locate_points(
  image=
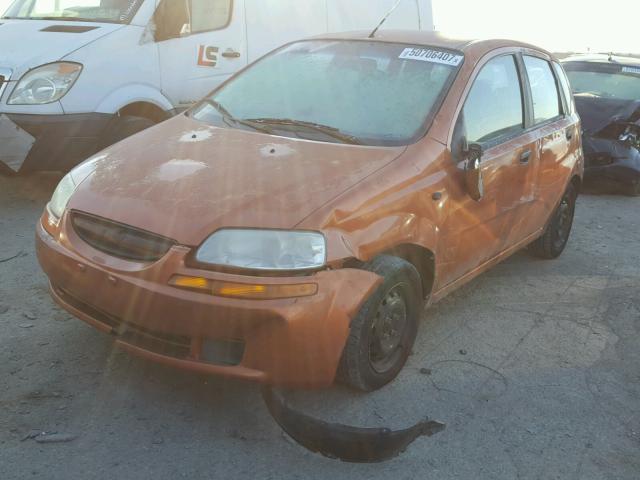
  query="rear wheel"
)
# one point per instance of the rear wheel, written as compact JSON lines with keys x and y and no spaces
{"x":383,"y":332}
{"x":554,"y":240}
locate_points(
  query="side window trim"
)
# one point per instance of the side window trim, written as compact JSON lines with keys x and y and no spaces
{"x":527,"y":96}
{"x":509,"y":136}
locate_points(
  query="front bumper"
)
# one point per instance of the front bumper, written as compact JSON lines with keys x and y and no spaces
{"x":50,"y":142}
{"x":291,"y":342}
{"x":612,"y":161}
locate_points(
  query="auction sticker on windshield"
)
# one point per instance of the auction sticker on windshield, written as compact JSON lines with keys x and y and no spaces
{"x":433,"y":56}
{"x":635,"y":70}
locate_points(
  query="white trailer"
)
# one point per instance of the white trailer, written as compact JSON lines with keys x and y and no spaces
{"x":79,"y":75}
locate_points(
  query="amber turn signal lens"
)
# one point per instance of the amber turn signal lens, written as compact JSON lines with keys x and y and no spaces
{"x":244,"y":290}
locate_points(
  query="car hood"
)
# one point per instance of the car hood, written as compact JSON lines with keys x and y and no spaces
{"x":32,"y":47}
{"x":597,"y":113}
{"x":184,"y":179}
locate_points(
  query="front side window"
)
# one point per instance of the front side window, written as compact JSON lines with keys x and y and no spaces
{"x":544,"y":91}
{"x":604,"y":80}
{"x":109,"y":11}
{"x":371,"y":93}
{"x":209,"y":15}
{"x":494,"y":107}
{"x":176,"y":18}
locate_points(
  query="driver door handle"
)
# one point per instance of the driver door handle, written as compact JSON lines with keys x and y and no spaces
{"x":231,"y":53}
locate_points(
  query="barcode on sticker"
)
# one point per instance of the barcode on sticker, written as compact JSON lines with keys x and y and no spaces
{"x":433,"y":56}
{"x":635,"y":70}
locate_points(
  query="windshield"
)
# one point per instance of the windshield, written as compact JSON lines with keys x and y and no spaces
{"x":109,"y":11}
{"x":605,"y":80}
{"x":337,"y":91}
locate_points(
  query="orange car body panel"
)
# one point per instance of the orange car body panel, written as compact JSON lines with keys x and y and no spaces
{"x":185,"y":180}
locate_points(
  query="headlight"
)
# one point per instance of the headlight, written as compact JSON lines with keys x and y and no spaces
{"x":66,"y":187}
{"x":46,"y":84}
{"x":264,"y":249}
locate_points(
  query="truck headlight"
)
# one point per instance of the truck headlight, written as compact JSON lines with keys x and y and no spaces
{"x":63,"y":192}
{"x":264,"y":249}
{"x":45,"y":84}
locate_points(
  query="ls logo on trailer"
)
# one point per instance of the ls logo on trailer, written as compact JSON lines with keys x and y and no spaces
{"x":208,"y":56}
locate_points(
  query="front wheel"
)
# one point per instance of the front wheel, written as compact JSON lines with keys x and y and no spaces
{"x":124,"y":127}
{"x":554,"y":240}
{"x":383,"y":332}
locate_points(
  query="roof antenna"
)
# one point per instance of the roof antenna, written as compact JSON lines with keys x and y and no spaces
{"x":375,"y":30}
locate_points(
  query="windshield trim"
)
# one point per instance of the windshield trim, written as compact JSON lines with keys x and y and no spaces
{"x":421,"y":132}
{"x":133,"y":12}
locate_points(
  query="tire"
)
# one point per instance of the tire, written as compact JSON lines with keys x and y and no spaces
{"x":376,"y":352}
{"x":554,"y":240}
{"x":124,"y":127}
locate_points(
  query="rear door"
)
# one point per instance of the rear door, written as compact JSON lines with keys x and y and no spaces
{"x":494,"y":116}
{"x":201,"y":43}
{"x":556,"y":129}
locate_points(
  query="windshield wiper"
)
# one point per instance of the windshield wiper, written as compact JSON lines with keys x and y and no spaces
{"x":327,"y":130}
{"x":228,"y":118}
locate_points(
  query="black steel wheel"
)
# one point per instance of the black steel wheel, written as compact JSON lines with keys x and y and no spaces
{"x":383,"y":332}
{"x":554,"y":240}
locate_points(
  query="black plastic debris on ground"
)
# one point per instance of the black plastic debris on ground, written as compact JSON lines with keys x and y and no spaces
{"x":350,"y":444}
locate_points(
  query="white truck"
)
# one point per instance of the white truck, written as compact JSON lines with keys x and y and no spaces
{"x":79,"y":75}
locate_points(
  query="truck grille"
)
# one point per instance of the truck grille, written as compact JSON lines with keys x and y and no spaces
{"x":119,"y":240}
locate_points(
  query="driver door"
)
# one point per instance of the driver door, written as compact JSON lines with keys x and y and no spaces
{"x":201,"y":43}
{"x":493,"y":118}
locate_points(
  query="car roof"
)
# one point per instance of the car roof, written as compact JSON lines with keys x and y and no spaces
{"x":603,"y":58}
{"x":477,"y":47}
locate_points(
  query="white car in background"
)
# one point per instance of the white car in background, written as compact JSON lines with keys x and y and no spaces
{"x":83,"y":74}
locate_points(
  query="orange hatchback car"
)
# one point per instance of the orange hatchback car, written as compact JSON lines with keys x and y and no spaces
{"x":290,"y":228}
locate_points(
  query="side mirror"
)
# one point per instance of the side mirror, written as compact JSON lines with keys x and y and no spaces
{"x":474,"y":181}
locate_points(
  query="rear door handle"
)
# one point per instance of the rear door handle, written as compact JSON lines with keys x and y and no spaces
{"x":525,"y":157}
{"x":569,"y":135}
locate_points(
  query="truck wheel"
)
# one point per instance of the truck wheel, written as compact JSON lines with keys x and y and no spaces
{"x":385,"y":328}
{"x":554,"y":240}
{"x":124,"y":127}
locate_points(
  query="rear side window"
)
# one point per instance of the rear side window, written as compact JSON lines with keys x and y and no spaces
{"x":566,"y":89}
{"x":494,"y":107}
{"x":544,"y":91}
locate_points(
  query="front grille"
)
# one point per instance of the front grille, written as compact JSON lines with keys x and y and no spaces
{"x":120,"y":240}
{"x":225,"y":353}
